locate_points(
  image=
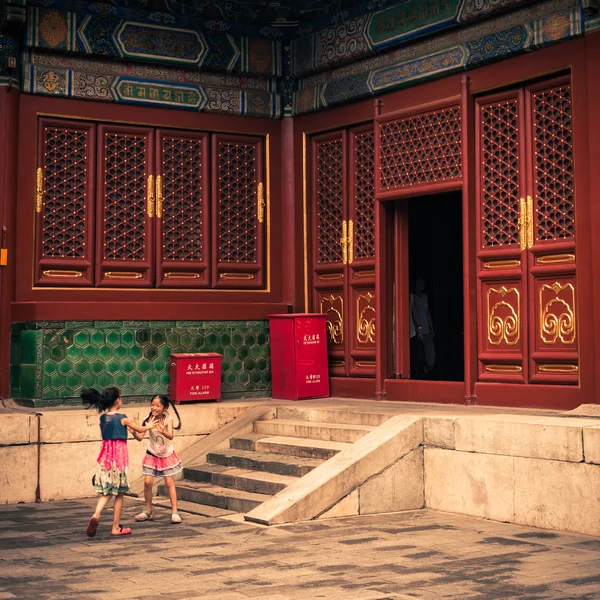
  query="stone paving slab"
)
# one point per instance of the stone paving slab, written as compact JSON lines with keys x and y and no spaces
{"x":428,"y":555}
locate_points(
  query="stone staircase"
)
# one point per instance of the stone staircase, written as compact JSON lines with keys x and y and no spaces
{"x":259,"y":464}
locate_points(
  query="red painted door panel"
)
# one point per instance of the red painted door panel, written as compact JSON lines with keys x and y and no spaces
{"x":125,"y":206}
{"x":182,"y":210}
{"x":329,"y":195}
{"x":64,"y":203}
{"x":526,"y":252}
{"x":239,"y":210}
{"x":343,"y":246}
{"x":361,"y":252}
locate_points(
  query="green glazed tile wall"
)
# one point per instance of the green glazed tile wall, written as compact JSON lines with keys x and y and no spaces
{"x":52,"y":361}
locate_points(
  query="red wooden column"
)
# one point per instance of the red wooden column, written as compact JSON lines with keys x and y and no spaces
{"x":589,"y":81}
{"x":9,"y":117}
{"x":469,"y":242}
{"x":383,"y":347}
{"x":291,"y":253}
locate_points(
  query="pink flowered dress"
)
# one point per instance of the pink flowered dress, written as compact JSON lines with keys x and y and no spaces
{"x":113,"y":460}
{"x":161,"y":459}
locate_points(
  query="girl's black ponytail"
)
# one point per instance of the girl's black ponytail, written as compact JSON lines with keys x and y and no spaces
{"x":101,"y":401}
{"x":178,"y":417}
{"x":92,"y":397}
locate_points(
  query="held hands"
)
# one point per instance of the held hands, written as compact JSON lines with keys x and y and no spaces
{"x":150,"y":425}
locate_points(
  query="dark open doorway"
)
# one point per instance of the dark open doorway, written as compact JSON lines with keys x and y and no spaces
{"x":435,"y":255}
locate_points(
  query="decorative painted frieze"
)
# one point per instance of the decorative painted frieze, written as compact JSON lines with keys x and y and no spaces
{"x":71,"y":83}
{"x":104,"y":67}
{"x":369,"y":34}
{"x":158,"y":43}
{"x":482,"y":43}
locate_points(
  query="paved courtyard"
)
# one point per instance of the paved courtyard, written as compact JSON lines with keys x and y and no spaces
{"x":44,"y":554}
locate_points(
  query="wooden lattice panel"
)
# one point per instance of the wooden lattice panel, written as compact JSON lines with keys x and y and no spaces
{"x":330,"y":199}
{"x":553,"y":148}
{"x":499,"y":159}
{"x":420,"y":149}
{"x":125,"y":161}
{"x":364,"y":194}
{"x":183,"y":199}
{"x":64,"y":215}
{"x":237,"y":188}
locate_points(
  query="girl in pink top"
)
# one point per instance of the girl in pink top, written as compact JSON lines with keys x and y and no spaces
{"x":161,"y":459}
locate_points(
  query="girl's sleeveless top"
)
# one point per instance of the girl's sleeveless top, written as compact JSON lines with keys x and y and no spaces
{"x":158,"y":444}
{"x":111,"y":428}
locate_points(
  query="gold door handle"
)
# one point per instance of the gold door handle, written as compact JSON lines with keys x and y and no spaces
{"x":530,"y":223}
{"x":39,"y":190}
{"x":260,"y":209}
{"x":344,"y":242}
{"x":159,"y":197}
{"x":350,"y":242}
{"x":150,"y":193}
{"x":522,"y":224}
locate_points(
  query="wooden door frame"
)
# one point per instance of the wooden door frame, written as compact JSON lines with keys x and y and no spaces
{"x":568,"y":57}
{"x":387,"y":228}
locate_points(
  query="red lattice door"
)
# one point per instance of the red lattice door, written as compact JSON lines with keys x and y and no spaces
{"x":527,"y":300}
{"x":125,"y":206}
{"x":64,"y":203}
{"x":329,"y":248}
{"x":343,"y":247}
{"x":239,"y":211}
{"x":182,"y":210}
{"x":361,"y":251}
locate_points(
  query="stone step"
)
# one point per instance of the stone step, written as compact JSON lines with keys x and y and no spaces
{"x":294,"y":466}
{"x":189,"y":507}
{"x":332,"y":432}
{"x":331,"y":415}
{"x":258,"y":482}
{"x":247,"y":441}
{"x":214,"y":495}
{"x":289,"y":446}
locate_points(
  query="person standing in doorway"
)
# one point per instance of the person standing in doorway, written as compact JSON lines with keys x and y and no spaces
{"x":422,"y":325}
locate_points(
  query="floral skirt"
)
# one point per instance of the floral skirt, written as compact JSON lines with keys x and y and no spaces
{"x":156,"y":466}
{"x":110,"y":478}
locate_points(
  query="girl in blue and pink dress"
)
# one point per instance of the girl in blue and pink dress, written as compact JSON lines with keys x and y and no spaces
{"x":111,"y":474}
{"x":161,"y":459}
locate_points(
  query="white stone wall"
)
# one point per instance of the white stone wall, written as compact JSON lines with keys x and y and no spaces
{"x":70,"y":443}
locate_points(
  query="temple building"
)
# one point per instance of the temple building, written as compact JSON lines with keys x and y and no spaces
{"x":174,"y":171}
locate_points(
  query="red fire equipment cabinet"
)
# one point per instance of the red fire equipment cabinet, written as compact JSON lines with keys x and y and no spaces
{"x":299,"y":356}
{"x":195,"y":377}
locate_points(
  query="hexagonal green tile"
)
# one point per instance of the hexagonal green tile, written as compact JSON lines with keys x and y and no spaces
{"x":150,"y":351}
{"x":112,"y":338}
{"x":112,"y":366}
{"x":97,"y":338}
{"x":89,"y":352}
{"x":135,"y":352}
{"x":81,"y":338}
{"x":143,"y":365}
{"x":120,"y":352}
{"x":127,"y":366}
{"x":158,"y":337}
{"x":104,"y":352}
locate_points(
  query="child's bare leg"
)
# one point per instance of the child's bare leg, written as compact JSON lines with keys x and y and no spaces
{"x":117,"y":513}
{"x":100,"y":506}
{"x":148,"y":483}
{"x":172,"y":493}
